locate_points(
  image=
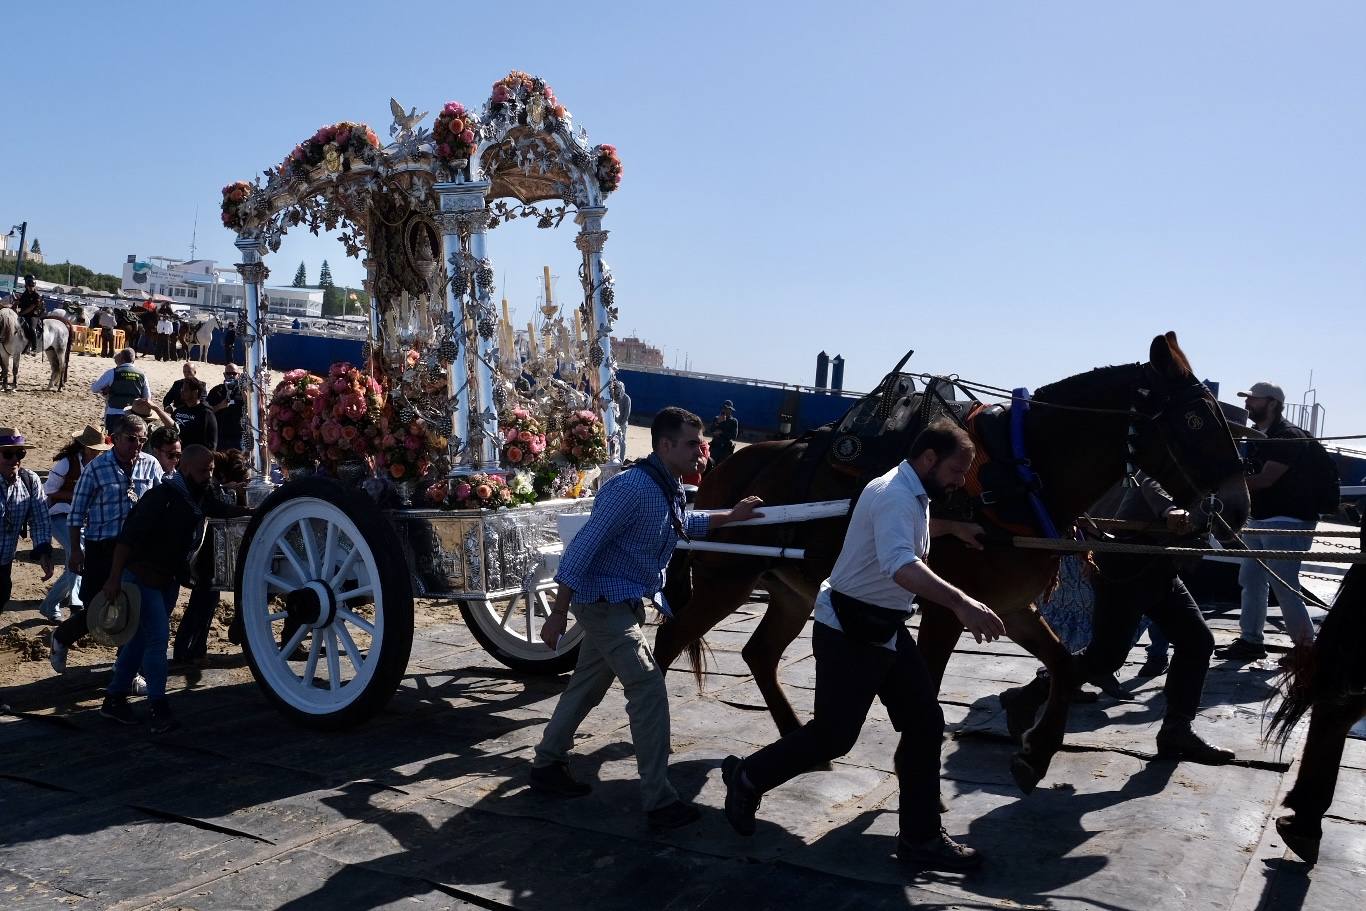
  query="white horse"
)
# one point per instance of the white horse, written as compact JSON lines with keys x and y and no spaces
{"x":57,"y":347}
{"x":201,"y":339}
{"x":12,"y":343}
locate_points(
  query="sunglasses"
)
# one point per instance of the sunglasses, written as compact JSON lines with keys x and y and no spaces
{"x":14,"y":455}
{"x":141,"y":441}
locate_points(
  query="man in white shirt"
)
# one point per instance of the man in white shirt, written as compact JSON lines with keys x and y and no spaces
{"x":165,"y":329}
{"x":863,"y":650}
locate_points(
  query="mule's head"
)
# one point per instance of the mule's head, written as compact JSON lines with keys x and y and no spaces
{"x":1180,"y":437}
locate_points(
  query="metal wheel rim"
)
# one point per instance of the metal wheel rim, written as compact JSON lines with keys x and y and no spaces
{"x":334,"y":557}
{"x":518,"y":632}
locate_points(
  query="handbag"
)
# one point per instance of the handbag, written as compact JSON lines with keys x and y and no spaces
{"x":866,"y":622}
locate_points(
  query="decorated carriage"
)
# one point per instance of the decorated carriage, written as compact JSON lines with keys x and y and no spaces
{"x":437,"y":467}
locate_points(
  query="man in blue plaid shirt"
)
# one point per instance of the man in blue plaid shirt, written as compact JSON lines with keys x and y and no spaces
{"x":610,"y":571}
{"x":22,"y":506}
{"x":104,"y":495}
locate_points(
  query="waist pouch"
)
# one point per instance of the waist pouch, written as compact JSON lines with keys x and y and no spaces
{"x":866,"y":622}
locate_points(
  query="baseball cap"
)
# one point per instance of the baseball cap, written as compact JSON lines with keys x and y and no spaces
{"x":1265,"y":391}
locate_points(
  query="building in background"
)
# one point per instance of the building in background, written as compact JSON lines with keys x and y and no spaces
{"x":631,"y":350}
{"x":203,"y":284}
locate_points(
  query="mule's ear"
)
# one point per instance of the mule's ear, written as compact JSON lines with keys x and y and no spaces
{"x":1167,"y":357}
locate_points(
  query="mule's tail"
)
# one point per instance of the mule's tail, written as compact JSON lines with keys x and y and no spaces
{"x":678,"y":592}
{"x":1333,"y":668}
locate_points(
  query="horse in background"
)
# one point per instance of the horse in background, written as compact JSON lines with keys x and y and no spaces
{"x":56,"y":344}
{"x":199,"y":335}
{"x":1078,"y":434}
{"x":12,"y":344}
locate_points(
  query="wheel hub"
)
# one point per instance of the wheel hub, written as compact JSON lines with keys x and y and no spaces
{"x":314,"y":604}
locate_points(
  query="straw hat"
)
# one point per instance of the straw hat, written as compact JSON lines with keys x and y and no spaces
{"x":13,"y":439}
{"x":91,"y":438}
{"x":114,"y":622}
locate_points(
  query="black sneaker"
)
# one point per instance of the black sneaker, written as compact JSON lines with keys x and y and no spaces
{"x":555,"y":780}
{"x":1155,"y":666}
{"x":673,"y":816}
{"x":1240,"y":650}
{"x":162,"y":721}
{"x":938,"y":852}
{"x":116,"y":708}
{"x":1178,"y":741}
{"x":1299,"y":837}
{"x":741,"y":802}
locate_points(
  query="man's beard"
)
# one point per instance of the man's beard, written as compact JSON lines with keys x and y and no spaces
{"x":933,"y":486}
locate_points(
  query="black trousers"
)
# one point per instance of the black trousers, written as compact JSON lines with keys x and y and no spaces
{"x":99,"y":559}
{"x":6,"y":583}
{"x":192,"y":635}
{"x":849,"y":675}
{"x":1129,"y":586}
{"x":106,"y":342}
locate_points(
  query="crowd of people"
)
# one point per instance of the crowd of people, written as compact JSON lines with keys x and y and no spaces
{"x":129,"y":506}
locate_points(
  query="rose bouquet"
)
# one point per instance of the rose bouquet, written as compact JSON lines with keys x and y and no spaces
{"x":455,"y":132}
{"x":334,"y":147}
{"x":529,"y":96}
{"x":405,"y":449}
{"x":583,"y":442}
{"x":289,"y":420}
{"x":607,"y":164}
{"x":480,"y":491}
{"x":523,"y":438}
{"x":346,"y":419}
{"x":234,"y":194}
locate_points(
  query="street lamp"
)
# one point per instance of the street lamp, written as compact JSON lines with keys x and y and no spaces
{"x":22,"y":228}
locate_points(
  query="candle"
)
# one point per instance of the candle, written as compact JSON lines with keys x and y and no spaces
{"x":531,"y":339}
{"x":578,"y":326}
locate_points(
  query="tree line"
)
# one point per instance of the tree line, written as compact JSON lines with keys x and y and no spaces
{"x":64,"y":274}
{"x":337,"y":301}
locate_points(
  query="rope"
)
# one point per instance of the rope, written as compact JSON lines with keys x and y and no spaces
{"x":1158,"y":528}
{"x":1122,"y":547}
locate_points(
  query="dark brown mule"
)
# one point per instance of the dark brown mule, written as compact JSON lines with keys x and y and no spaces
{"x":1075,"y":433}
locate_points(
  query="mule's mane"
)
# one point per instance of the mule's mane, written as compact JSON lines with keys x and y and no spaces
{"x":1086,"y":387}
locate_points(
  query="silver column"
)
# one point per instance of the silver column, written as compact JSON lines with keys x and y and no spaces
{"x":254,"y":273}
{"x":600,"y":304}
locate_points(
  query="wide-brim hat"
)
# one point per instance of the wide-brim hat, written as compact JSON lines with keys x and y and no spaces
{"x":1234,"y":417}
{"x":113,"y":622}
{"x":13,"y":439}
{"x":91,"y":438}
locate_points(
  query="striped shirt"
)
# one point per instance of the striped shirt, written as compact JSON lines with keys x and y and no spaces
{"x":623,"y":549}
{"x":106,"y":492}
{"x":23,"y":505}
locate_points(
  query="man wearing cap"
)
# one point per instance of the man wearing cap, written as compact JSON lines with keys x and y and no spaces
{"x":156,"y":546}
{"x":121,"y":385}
{"x":66,"y":469}
{"x":724,"y":431}
{"x":105,"y":494}
{"x":1281,"y":500}
{"x":226,"y":400}
{"x":23,"y":511}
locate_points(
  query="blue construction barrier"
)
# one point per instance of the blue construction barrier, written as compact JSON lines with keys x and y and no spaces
{"x":759,"y":406}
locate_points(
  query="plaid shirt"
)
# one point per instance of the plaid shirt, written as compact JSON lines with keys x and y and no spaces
{"x":623,"y":549}
{"x":105,"y":494}
{"x":23,"y":505}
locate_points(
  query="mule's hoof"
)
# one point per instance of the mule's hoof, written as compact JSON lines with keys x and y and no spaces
{"x":1025,"y":775}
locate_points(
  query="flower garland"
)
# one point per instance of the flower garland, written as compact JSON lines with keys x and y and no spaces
{"x":535,"y":94}
{"x":346,"y":419}
{"x":583,"y":442}
{"x":607,"y":164}
{"x":289,"y":419}
{"x":480,"y":491}
{"x":455,"y":133}
{"x":234,"y":194}
{"x":523,"y":439}
{"x":333,"y":147}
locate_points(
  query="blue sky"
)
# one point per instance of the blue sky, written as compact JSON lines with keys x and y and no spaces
{"x":1019,"y":191}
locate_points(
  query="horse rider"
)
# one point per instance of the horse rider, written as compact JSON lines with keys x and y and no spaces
{"x":121,"y":385}
{"x":30,"y":308}
{"x":725,"y":428}
{"x":106,"y":492}
{"x":159,"y":540}
{"x":23,"y":510}
{"x":1127,"y":587}
{"x":611,"y":569}
{"x":863,"y":650}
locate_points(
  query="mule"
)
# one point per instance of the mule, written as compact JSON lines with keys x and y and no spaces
{"x":12,"y":344}
{"x":56,"y":344}
{"x":1081,"y":433}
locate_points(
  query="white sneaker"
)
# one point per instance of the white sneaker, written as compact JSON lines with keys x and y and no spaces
{"x":58,"y":656}
{"x":139,"y":686}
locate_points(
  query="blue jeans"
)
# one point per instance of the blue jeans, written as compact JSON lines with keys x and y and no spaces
{"x":65,"y":590}
{"x":147,"y":648}
{"x":1256,"y":582}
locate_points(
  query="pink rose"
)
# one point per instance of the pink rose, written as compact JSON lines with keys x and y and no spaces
{"x":462,"y":491}
{"x":538,"y":445}
{"x":331,"y":431}
{"x":576,"y":452}
{"x":582,"y":432}
{"x":483,"y":491}
{"x":467,"y":137}
{"x":443,"y":150}
{"x":524,"y":436}
{"x":505,"y":495}
{"x":511,"y":435}
{"x":514,"y":454}
{"x":348,"y":432}
{"x":520,"y":413}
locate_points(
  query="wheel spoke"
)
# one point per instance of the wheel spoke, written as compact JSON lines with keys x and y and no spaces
{"x":289,"y":553}
{"x":329,"y":550}
{"x":544,"y":603}
{"x":333,"y":665}
{"x":277,"y":616}
{"x":356,"y":621}
{"x":305,"y":526}
{"x":359,"y":592}
{"x":349,"y":645}
{"x":530,"y":611}
{"x":507,"y":614}
{"x":311,"y":666}
{"x":347,"y":562}
{"x":280,"y":584}
{"x":293,"y":642}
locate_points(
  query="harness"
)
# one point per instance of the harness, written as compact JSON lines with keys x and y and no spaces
{"x":1001,"y":483}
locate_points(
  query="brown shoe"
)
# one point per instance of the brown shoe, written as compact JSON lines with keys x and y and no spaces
{"x":938,"y":852}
